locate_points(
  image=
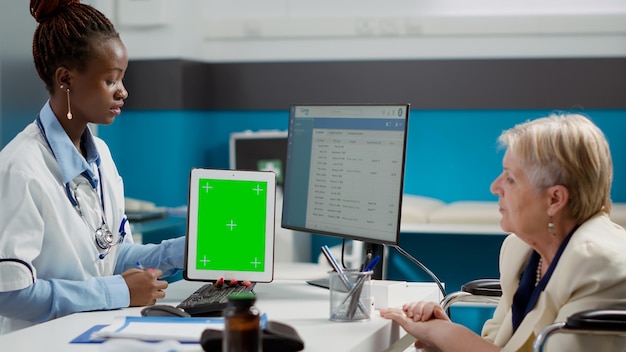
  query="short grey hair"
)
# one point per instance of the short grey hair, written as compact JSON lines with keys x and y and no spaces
{"x":568,"y":150}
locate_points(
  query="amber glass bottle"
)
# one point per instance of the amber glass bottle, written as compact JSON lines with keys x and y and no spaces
{"x":242,"y":324}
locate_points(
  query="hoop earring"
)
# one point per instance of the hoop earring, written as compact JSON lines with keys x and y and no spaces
{"x":69,"y":109}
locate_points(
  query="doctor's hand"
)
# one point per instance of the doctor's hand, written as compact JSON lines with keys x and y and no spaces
{"x":221,"y":282}
{"x":144,"y":286}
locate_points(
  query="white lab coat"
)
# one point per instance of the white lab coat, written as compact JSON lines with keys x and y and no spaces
{"x":41,"y":234}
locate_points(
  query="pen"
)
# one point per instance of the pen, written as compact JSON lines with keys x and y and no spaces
{"x":361,"y":278}
{"x":333,"y":262}
{"x":139,"y":266}
{"x":355,"y":293}
{"x":370,"y":266}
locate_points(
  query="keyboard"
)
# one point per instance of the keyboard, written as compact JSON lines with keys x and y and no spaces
{"x":323,"y":282}
{"x":210,"y":300}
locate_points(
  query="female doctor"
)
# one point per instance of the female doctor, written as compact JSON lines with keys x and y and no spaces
{"x":65,"y":245}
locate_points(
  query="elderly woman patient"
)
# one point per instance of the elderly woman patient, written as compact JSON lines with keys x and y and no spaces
{"x":564,"y":254}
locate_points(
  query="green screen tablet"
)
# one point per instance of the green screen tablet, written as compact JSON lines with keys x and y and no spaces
{"x":230,"y":225}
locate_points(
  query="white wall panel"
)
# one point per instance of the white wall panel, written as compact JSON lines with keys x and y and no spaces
{"x":280,"y":30}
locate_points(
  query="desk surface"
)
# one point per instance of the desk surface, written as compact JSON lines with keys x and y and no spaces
{"x":294,"y":302}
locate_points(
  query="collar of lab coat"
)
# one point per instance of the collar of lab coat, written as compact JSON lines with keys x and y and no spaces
{"x":71,"y":162}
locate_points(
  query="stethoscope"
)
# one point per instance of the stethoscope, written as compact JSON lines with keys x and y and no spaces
{"x":104,"y":238}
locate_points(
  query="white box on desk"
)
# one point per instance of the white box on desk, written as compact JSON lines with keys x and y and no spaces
{"x":387,"y":293}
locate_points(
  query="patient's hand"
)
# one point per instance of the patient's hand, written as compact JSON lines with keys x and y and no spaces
{"x":424,"y":311}
{"x":433,"y":330}
{"x":422,"y":330}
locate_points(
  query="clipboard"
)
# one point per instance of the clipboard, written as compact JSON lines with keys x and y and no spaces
{"x":184,"y":330}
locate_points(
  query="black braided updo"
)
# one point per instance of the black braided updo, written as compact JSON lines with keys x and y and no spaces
{"x":65,"y":35}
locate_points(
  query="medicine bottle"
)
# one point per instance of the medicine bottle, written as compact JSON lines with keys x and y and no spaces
{"x":242,"y":324}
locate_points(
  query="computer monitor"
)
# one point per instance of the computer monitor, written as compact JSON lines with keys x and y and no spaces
{"x":345,"y":170}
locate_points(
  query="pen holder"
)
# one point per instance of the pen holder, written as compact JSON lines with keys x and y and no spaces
{"x":350,"y":295}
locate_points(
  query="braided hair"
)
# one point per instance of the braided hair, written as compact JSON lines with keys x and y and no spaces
{"x":65,"y":35}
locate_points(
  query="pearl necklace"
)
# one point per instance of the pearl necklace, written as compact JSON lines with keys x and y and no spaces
{"x":538,"y":277}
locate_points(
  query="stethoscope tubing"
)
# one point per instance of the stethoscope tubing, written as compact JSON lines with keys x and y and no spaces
{"x":76,"y":205}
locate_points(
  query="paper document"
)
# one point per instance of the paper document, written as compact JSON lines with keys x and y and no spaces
{"x":161,"y":328}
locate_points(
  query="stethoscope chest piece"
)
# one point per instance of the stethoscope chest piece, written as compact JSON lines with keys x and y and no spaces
{"x":104,"y":237}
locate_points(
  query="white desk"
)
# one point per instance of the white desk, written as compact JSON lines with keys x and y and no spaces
{"x":294,"y":302}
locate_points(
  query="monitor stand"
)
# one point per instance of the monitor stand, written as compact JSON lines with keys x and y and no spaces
{"x":372,"y":250}
{"x":322,"y":282}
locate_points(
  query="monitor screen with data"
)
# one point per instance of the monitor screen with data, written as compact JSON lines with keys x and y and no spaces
{"x":345,"y":170}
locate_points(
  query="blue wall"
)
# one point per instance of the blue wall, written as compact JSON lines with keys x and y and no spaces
{"x":155,"y":151}
{"x":451,"y":155}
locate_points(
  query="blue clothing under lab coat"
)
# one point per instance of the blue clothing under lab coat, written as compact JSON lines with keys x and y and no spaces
{"x":49,"y":262}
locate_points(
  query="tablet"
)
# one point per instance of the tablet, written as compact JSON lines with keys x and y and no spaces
{"x":230,"y":225}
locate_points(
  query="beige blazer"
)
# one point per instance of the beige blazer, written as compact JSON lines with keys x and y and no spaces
{"x":590,"y":274}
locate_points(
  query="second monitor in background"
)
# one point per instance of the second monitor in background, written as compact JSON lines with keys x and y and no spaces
{"x":345,"y":171}
{"x":259,"y":150}
{"x":266,"y":150}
